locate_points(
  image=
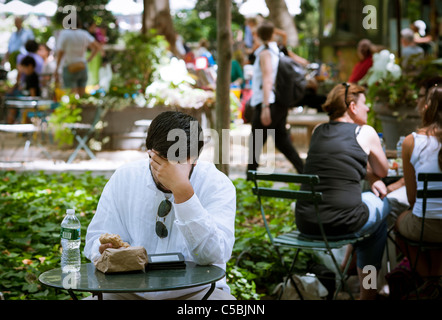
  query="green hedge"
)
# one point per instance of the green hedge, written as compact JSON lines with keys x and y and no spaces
{"x":32,"y":206}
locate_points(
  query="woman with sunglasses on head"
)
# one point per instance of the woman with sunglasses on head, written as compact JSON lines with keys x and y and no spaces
{"x":171,"y":202}
{"x":422,"y":152}
{"x":342,"y":153}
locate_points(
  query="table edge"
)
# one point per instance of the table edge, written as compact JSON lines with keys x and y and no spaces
{"x":133,"y":290}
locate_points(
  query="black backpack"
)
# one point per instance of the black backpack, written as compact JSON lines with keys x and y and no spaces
{"x":290,"y":82}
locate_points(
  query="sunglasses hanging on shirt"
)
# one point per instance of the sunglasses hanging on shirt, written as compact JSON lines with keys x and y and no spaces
{"x":163,"y":210}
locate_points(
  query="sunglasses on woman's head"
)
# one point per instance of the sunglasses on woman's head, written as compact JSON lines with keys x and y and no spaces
{"x":163,"y":210}
{"x":346,"y":92}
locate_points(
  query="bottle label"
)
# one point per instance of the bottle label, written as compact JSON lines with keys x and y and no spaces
{"x":70,"y":234}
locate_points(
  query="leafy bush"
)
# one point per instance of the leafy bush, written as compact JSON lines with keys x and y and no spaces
{"x":32,"y":207}
{"x":137,"y":69}
{"x":253,"y":254}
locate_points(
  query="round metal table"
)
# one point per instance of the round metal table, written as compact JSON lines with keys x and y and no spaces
{"x":89,"y":279}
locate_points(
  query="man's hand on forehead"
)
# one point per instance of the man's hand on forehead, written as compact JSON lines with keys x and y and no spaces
{"x":173,"y":176}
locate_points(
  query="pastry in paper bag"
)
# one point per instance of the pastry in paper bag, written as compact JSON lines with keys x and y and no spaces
{"x":114,"y":239}
{"x":122,"y":260}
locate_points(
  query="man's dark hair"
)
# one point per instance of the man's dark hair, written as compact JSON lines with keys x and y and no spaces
{"x":28,"y":61}
{"x":31,"y":46}
{"x":165,"y":123}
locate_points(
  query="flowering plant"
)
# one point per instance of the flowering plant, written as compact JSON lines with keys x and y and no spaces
{"x":175,"y":87}
{"x":388,"y":84}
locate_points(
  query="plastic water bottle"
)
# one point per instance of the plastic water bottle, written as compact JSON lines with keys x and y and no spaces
{"x":399,"y":155}
{"x":399,"y":147}
{"x":70,"y":241}
{"x":381,"y":137}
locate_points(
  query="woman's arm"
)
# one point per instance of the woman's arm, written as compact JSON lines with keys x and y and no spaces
{"x":377,"y":186}
{"x":95,"y":48}
{"x":376,"y":156}
{"x":377,"y":165}
{"x":265,"y":61}
{"x":409,"y":172}
{"x":281,"y":33}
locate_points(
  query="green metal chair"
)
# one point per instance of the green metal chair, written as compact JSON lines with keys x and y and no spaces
{"x":295,"y":239}
{"x":422,"y":246}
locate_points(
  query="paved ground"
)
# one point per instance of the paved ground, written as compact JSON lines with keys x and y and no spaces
{"x":12,"y":156}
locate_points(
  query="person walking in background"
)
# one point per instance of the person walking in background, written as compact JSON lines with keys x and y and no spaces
{"x":31,"y":48}
{"x":49,"y":65}
{"x":17,"y":41}
{"x":71,"y":48}
{"x":365,"y":54}
{"x":249,"y":31}
{"x":268,"y":114}
{"x":411,"y":53}
{"x":203,"y":51}
{"x":236,"y":72}
{"x":421,"y":36}
{"x":95,"y":63}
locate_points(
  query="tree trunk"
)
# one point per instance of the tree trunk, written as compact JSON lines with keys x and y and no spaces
{"x":224,"y":49}
{"x":156,"y":15}
{"x":281,"y":18}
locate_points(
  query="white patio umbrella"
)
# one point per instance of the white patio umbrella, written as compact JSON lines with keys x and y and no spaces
{"x":17,"y":8}
{"x":176,"y":5}
{"x":254,"y":7}
{"x":128,"y":7}
{"x":125,"y":7}
{"x":46,"y":8}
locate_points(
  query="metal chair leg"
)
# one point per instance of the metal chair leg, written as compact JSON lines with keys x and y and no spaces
{"x":289,"y":274}
{"x":342,"y":275}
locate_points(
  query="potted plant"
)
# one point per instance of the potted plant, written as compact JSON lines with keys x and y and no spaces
{"x":393,"y":97}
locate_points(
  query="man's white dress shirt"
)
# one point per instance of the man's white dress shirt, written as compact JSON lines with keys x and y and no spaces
{"x":202,"y":228}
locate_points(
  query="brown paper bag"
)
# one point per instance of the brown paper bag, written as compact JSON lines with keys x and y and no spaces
{"x":122,"y":260}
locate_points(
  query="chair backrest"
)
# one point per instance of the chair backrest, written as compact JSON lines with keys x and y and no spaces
{"x":311,"y":180}
{"x":311,"y":195}
{"x":425,"y":193}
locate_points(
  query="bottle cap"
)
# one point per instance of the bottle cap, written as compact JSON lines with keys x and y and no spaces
{"x":70,"y":211}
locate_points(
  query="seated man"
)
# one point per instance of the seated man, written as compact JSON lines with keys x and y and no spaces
{"x":200,"y":223}
{"x":32,"y":82}
{"x":32,"y":87}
